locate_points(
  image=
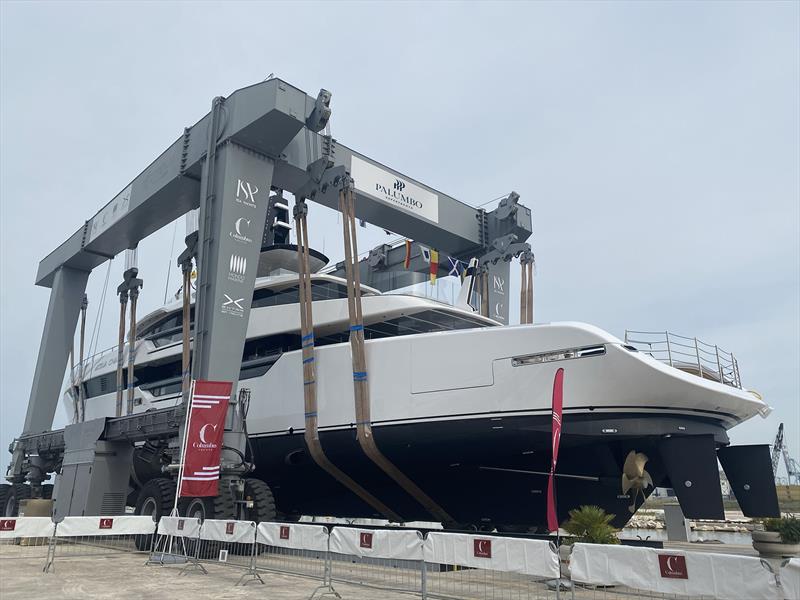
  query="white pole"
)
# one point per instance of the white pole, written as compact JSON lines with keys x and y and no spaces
{"x":183,"y":448}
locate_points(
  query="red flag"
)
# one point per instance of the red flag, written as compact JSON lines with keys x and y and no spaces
{"x":407,"y":261}
{"x":434,"y":265}
{"x":558,"y":403}
{"x":203,"y":443}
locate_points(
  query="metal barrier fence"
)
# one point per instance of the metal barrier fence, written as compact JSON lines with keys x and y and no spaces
{"x":380,"y":558}
{"x":27,"y":537}
{"x":480,"y":566}
{"x":78,"y":537}
{"x":440,"y":565}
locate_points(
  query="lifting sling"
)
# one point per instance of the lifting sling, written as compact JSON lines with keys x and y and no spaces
{"x":360,"y":384}
{"x":134,"y":297}
{"x":311,"y":432}
{"x":123,"y":304}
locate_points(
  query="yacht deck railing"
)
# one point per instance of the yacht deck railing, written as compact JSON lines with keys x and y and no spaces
{"x":691,"y":355}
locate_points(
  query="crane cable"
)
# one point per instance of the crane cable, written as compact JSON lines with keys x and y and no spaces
{"x":311,"y":430}
{"x":360,"y":384}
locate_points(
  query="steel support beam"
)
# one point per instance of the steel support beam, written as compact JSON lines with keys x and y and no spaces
{"x":236,"y":186}
{"x":66,"y":296}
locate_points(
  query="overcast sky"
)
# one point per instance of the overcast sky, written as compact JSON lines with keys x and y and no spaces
{"x":657,"y":144}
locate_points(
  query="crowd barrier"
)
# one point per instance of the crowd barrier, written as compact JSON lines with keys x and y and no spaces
{"x":390,"y":559}
{"x":437,"y":565}
{"x":25,"y":537}
{"x":89,"y":536}
{"x":678,"y":574}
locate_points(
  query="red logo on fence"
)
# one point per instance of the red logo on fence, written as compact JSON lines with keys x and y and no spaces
{"x":229,"y":528}
{"x":284,"y":532}
{"x":180,"y":524}
{"x":365,"y":540}
{"x":106,"y":523}
{"x":673,"y":566}
{"x":8,"y":524}
{"x":482,"y":548}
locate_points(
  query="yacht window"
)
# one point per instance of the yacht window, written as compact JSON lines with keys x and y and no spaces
{"x":168,"y":330}
{"x":320,"y":290}
{"x":423,"y":322}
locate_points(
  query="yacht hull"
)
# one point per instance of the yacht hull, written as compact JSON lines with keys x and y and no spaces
{"x":482,"y":471}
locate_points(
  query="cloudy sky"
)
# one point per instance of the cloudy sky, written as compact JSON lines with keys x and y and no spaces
{"x":658,"y":145}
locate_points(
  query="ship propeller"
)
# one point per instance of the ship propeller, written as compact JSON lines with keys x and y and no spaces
{"x":635,"y":477}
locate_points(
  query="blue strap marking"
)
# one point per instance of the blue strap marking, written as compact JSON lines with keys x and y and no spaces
{"x":311,"y":414}
{"x":308,"y":336}
{"x":356,"y":327}
{"x":308,"y":360}
{"x":308,"y":344}
{"x":359,"y":375}
{"x":309,"y":382}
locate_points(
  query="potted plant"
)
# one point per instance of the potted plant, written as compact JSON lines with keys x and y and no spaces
{"x":780,"y":538}
{"x":588,"y":524}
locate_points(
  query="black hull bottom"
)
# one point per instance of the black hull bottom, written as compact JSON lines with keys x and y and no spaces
{"x":448,"y":460}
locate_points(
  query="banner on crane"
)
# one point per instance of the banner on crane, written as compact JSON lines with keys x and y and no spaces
{"x":203,"y":439}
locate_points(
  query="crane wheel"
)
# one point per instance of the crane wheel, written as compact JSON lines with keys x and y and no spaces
{"x":263,"y":508}
{"x":156,"y":499}
{"x":10,"y":497}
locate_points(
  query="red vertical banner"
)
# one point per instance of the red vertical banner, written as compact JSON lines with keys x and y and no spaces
{"x":558,"y":405}
{"x":208,"y":407}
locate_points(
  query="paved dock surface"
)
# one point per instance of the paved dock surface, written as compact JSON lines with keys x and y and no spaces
{"x":124,"y":576}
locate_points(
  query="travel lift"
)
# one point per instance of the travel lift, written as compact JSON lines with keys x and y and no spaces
{"x":262,"y":138}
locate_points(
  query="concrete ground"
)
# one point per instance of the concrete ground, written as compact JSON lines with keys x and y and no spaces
{"x":124,"y":576}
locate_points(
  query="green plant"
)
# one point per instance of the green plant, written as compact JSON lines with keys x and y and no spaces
{"x":591,"y":524}
{"x":788,"y":527}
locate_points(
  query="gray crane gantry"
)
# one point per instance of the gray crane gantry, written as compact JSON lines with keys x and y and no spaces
{"x":264,"y":137}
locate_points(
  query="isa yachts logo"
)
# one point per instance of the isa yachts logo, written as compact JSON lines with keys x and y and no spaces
{"x":238,"y":268}
{"x":246,"y":193}
{"x":232,"y":306}
{"x":240,"y":231}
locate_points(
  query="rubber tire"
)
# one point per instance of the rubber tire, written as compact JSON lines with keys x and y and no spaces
{"x":157,"y":494}
{"x":222,"y":506}
{"x":15,"y":493}
{"x":5,"y":490}
{"x":263,"y":501}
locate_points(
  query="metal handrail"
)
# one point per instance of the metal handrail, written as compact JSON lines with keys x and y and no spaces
{"x":687,"y":354}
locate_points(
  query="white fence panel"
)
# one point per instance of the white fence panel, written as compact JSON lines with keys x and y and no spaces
{"x":179,"y":527}
{"x":238,"y":532}
{"x":377,"y":543}
{"x":103,"y":526}
{"x":513,"y":555}
{"x":790,"y":579}
{"x":298,"y":536}
{"x":723,"y":576}
{"x":26,"y":527}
